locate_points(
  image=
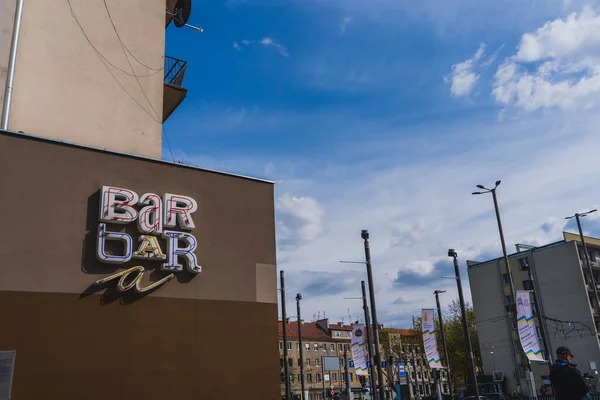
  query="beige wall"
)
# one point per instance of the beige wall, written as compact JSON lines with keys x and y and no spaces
{"x":64,"y":90}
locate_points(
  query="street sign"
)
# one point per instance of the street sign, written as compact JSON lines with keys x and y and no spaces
{"x":383,"y":364}
{"x":498,"y":376}
{"x":351,"y":362}
{"x":402,"y":374}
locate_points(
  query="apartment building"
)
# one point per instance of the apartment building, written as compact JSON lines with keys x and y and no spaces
{"x":566,"y":301}
{"x":93,"y":72}
{"x":319,"y":339}
{"x":399,"y":343}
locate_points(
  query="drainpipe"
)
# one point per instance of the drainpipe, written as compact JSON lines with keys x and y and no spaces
{"x":10,"y":77}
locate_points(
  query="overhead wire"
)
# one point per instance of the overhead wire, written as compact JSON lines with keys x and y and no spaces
{"x":105,"y":61}
{"x":129,"y":62}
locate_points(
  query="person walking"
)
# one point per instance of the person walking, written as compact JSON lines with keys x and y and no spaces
{"x":566,"y":378}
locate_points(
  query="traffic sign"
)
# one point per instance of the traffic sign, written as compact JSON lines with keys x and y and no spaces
{"x":383,"y":364}
{"x":351,"y":362}
{"x":402,"y":374}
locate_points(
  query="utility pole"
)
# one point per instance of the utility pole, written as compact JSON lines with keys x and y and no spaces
{"x":414,"y":365}
{"x":347,"y":373}
{"x":509,"y":307}
{"x":298,"y":298}
{"x":372,"y":387}
{"x":285,"y":342}
{"x":471,"y":359}
{"x":446,"y":356}
{"x":365,"y":236}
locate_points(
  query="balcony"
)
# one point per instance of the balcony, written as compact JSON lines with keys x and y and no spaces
{"x":173,"y":93}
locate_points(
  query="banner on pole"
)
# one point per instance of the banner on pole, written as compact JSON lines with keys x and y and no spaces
{"x":358,"y":350}
{"x":526,"y":325}
{"x":429,"y":339}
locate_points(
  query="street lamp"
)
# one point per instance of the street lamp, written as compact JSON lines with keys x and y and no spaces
{"x":508,"y":271}
{"x":577,"y":217}
{"x":446,"y":356}
{"x":471,"y":359}
{"x":493,"y":360}
{"x":298,"y":298}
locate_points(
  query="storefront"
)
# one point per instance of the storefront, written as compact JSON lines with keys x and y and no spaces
{"x":129,"y":278}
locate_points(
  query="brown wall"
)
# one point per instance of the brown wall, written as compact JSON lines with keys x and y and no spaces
{"x":209,"y":336}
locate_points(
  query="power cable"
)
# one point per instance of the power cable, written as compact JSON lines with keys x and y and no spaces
{"x":105,"y":61}
{"x":124,"y":45}
{"x":168,"y":142}
{"x":129,"y":62}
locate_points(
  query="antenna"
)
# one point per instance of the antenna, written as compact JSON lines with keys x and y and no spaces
{"x":181,"y":14}
{"x":349,"y":316}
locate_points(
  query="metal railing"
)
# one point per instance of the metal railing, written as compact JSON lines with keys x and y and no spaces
{"x":174,"y":71}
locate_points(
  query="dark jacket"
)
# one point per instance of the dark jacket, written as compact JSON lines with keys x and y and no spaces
{"x":567,"y":381}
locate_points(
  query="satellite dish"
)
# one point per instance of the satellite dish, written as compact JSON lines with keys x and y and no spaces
{"x":182,"y":11}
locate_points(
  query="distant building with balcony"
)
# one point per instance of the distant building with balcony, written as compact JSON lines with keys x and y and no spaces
{"x":559,"y":275}
{"x":93,"y":75}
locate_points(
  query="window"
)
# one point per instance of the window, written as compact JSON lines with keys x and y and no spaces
{"x":334,"y":377}
{"x":308,"y":362}
{"x":299,"y":378}
{"x":289,"y":346}
{"x":343,"y":377}
{"x":341,"y":362}
{"x":318,"y":378}
{"x":510,"y":300}
{"x":324,"y":346}
{"x":307,"y":346}
{"x":309,"y":378}
{"x":338,"y":334}
{"x":290,"y":362}
{"x":351,"y":377}
{"x":298,"y":346}
{"x":280,"y":345}
{"x":291,"y":378}
{"x":281,"y":362}
{"x":528,"y":284}
{"x":346,"y":347}
{"x":316,"y":346}
{"x":332,"y":347}
{"x":524,"y":263}
{"x":339,"y":347}
{"x":299,"y":363}
{"x":506,"y":279}
{"x":317,"y":362}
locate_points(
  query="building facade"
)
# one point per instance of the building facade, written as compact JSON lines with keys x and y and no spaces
{"x":569,"y":311}
{"x":123,"y":276}
{"x":92,"y":72}
{"x":323,"y":339}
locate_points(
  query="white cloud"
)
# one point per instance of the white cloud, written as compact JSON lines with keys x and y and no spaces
{"x":557,"y":66}
{"x":266,"y":42}
{"x":299,"y":220}
{"x":344,"y":24}
{"x":463,"y":78}
{"x":269,"y":42}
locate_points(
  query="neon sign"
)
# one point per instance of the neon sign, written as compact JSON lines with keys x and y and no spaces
{"x":155,"y":214}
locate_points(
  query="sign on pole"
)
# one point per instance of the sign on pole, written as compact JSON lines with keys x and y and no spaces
{"x":402,"y":374}
{"x":358,"y":350}
{"x":526,"y":325}
{"x":429,"y":338}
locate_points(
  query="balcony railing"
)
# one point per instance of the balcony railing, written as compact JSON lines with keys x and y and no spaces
{"x":174,"y":71}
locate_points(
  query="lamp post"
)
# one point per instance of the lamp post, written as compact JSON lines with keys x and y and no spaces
{"x":577,"y":217}
{"x":298,"y":298}
{"x":446,"y":356}
{"x":285,"y":345}
{"x":508,"y":271}
{"x":365,"y":236}
{"x":471,"y":359}
{"x":493,"y":360}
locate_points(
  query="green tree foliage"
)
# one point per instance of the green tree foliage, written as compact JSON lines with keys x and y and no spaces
{"x":455,"y":340}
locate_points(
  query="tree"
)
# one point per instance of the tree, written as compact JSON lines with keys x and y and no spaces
{"x":455,"y":341}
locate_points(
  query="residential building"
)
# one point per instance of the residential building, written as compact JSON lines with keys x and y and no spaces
{"x":319,"y":339}
{"x":558,"y":274}
{"x":92,"y":72}
{"x":399,"y":343}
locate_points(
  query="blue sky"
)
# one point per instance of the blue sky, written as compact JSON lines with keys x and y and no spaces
{"x":384,"y":115}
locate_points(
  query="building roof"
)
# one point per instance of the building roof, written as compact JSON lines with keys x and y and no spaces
{"x":310,"y":331}
{"x":340,"y":326}
{"x":401,"y":332}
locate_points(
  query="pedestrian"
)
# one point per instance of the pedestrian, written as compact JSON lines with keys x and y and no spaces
{"x":566,"y":378}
